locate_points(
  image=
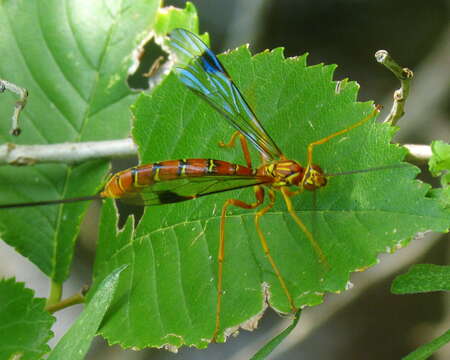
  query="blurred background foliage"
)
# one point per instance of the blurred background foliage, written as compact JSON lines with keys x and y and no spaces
{"x":367,"y":322}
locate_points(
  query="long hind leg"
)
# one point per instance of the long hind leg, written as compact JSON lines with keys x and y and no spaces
{"x":259,"y":194}
{"x":266,"y":249}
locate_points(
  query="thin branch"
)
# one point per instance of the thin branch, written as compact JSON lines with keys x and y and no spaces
{"x":55,"y":293}
{"x":428,"y":102}
{"x":418,"y":154}
{"x":19,"y":155}
{"x":20,"y":104}
{"x":400,"y":95}
{"x":13,"y":154}
{"x":78,"y":298}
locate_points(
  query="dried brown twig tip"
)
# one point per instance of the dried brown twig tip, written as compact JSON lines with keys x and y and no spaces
{"x":400,"y":95}
{"x":20,"y":104}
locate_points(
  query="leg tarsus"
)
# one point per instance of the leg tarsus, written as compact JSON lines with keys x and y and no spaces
{"x":230,"y":143}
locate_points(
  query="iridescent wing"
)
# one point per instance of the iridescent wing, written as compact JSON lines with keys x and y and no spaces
{"x":182,"y":189}
{"x":200,"y":70}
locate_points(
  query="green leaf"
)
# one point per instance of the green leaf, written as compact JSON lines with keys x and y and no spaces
{"x":25,"y":325}
{"x":442,"y":195}
{"x":168,"y":298}
{"x":440,"y":160}
{"x":439,"y":165}
{"x":425,"y":351}
{"x":422,"y":278}
{"x":171,"y":17}
{"x":75,"y":343}
{"x":73,"y":57}
{"x":267,"y":349}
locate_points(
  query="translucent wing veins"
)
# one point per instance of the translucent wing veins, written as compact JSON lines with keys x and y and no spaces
{"x":201,"y":71}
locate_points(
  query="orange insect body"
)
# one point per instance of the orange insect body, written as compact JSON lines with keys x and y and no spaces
{"x":127,"y":184}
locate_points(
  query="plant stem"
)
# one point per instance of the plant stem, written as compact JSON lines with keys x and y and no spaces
{"x":425,"y":351}
{"x":68,"y":153}
{"x":400,"y":95}
{"x":20,"y":104}
{"x":72,"y":300}
{"x":418,"y":154}
{"x":55,"y":293}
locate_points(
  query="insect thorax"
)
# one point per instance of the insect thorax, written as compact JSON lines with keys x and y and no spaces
{"x":284,"y":172}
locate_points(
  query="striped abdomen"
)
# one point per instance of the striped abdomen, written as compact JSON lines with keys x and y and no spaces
{"x":128,"y":182}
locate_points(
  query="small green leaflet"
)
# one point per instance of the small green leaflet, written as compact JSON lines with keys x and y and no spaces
{"x":422,"y":278}
{"x":75,"y":343}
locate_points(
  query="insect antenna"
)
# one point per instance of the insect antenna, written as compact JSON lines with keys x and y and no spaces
{"x":50,"y":202}
{"x":377,"y":168}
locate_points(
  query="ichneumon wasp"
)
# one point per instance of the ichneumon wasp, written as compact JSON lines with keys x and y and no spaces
{"x":179,"y":180}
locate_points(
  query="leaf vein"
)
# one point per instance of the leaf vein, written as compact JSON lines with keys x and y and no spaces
{"x":77,"y":42}
{"x":181,"y":282}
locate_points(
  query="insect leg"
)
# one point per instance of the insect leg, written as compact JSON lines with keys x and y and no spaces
{"x":291,"y":193}
{"x":343,"y":131}
{"x":266,"y":249}
{"x":259,"y":194}
{"x":244,"y":146}
{"x":287,"y":198}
